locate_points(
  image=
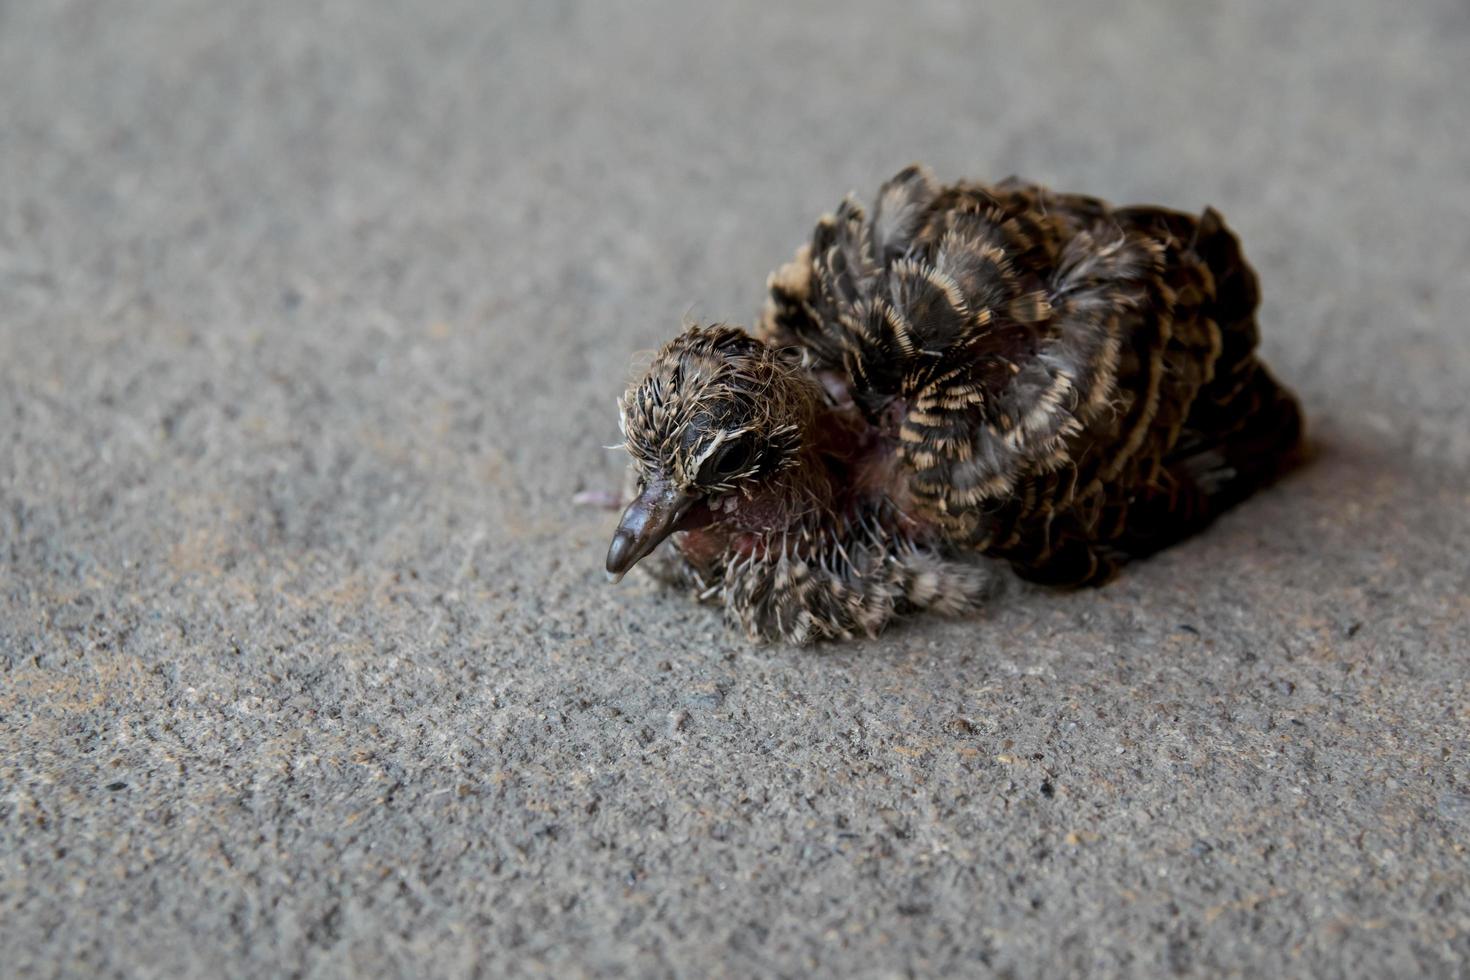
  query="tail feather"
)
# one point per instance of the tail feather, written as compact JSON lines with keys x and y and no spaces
{"x":1248,"y":443}
{"x":1243,"y":429}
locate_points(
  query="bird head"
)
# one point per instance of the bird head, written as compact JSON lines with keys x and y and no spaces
{"x":713,"y":429}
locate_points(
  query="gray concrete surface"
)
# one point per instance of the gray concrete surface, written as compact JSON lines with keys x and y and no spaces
{"x":311,"y":321}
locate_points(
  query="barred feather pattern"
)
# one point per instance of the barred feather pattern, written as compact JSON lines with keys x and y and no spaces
{"x":1051,"y":360}
{"x":967,"y":372}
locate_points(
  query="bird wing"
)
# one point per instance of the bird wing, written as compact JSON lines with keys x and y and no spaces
{"x":995,"y":316}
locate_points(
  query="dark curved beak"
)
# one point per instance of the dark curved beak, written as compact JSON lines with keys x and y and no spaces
{"x":646,"y":522}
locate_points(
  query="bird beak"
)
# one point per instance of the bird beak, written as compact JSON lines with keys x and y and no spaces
{"x":646,"y":522}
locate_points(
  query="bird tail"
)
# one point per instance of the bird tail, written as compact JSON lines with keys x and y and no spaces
{"x":1243,"y":430}
{"x":1247,"y":419}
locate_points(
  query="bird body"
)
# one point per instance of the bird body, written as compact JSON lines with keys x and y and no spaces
{"x":970,"y":371}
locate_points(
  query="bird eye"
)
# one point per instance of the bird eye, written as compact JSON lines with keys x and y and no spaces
{"x":731,"y":460}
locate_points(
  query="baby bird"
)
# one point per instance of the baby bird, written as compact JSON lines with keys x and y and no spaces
{"x":970,"y":371}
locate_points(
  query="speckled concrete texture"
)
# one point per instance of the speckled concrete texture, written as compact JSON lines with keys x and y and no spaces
{"x":312,"y":317}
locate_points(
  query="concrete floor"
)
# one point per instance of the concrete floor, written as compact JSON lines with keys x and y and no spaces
{"x":311,"y":321}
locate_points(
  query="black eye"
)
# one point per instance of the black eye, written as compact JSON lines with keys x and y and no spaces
{"x":731,"y":460}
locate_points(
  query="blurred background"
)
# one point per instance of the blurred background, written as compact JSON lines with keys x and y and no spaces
{"x":312,"y":318}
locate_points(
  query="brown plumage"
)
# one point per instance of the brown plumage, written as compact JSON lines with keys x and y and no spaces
{"x":970,"y":371}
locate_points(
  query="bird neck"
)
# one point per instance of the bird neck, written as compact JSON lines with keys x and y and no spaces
{"x":844,"y":465}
